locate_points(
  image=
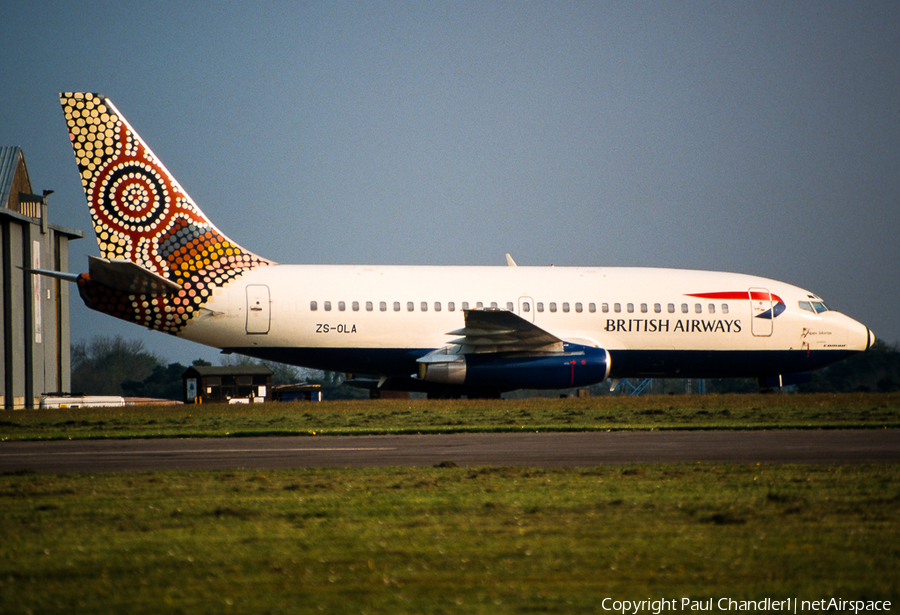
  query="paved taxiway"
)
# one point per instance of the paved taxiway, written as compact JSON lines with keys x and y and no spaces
{"x":518,"y":449}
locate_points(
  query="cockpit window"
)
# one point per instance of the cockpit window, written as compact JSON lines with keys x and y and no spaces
{"x":816,"y":307}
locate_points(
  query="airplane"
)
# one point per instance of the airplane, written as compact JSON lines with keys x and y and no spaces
{"x":476,"y":331}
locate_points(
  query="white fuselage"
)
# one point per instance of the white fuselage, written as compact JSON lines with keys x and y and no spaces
{"x":296,"y":313}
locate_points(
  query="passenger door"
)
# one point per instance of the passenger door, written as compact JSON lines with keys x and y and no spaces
{"x":761,"y":303}
{"x":258,"y":309}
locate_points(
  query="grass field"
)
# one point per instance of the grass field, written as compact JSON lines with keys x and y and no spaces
{"x":820,"y":411}
{"x":448,"y":539}
{"x":445,"y":540}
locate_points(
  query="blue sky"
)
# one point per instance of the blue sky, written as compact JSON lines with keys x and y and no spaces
{"x":754,"y":137}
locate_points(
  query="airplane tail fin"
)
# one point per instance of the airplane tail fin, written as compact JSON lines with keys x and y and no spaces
{"x":142,"y":215}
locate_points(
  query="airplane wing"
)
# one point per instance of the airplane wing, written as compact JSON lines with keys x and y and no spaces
{"x":500,"y":331}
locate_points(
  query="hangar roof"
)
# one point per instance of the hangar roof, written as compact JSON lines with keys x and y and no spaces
{"x":9,"y":161}
{"x":10,"y":158}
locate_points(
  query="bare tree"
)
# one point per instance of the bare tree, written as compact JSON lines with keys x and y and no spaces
{"x":101,"y":365}
{"x":281,"y":372}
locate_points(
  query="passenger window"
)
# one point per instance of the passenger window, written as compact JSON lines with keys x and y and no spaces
{"x":493,"y":305}
{"x":724,"y":308}
{"x":451,"y":306}
{"x":369,"y":306}
{"x":540,"y":306}
{"x":671,"y":308}
{"x":424,"y":306}
{"x":382,"y":305}
{"x":410,"y":306}
{"x":510,"y":306}
{"x":630,"y":307}
{"x":657,"y":307}
{"x":341,"y":306}
{"x":643,"y":308}
{"x":328,"y":306}
{"x":479,"y":305}
{"x":437,"y":306}
{"x":604,"y":307}
{"x":698,"y":308}
{"x":396,"y":306}
{"x":565,"y":306}
{"x":684,"y":308}
{"x":355,"y":306}
{"x":526,"y":307}
{"x":313,"y":306}
{"x":578,"y":308}
{"x":592,"y":308}
{"x":465,"y":305}
{"x":712,"y":308}
{"x":617,"y":307}
{"x":552,"y":306}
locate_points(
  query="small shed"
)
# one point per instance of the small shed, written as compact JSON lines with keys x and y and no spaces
{"x":228,"y":384}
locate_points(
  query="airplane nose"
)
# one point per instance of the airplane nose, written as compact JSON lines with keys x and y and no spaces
{"x":859,"y":337}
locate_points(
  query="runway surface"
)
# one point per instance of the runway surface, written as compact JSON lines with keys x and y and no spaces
{"x":544,"y":450}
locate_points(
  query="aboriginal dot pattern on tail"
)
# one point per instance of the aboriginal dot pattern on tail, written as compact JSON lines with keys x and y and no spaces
{"x":141,"y":214}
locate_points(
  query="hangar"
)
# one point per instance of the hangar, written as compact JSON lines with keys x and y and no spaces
{"x":35,"y":335}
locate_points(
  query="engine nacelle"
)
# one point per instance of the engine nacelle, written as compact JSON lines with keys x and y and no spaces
{"x":577,"y":366}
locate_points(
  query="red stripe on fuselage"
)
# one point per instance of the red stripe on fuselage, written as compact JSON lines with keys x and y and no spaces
{"x":740,"y":294}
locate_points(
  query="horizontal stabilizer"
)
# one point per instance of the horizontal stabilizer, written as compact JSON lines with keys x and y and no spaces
{"x":129,"y":277}
{"x":59,"y":275}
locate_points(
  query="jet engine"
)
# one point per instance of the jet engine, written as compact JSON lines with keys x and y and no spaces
{"x":576,"y":366}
